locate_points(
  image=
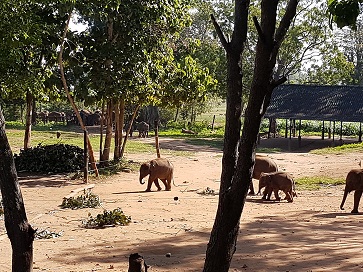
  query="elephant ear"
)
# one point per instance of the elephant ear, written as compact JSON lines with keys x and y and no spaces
{"x":152,"y":164}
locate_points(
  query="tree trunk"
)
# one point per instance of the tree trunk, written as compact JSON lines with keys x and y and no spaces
{"x":237,"y":167}
{"x":70,"y":98}
{"x":108,"y":136}
{"x":28,"y":120}
{"x":20,"y":232}
{"x":121,"y":125}
{"x":129,"y":129}
{"x":116,"y":154}
{"x":101,"y":127}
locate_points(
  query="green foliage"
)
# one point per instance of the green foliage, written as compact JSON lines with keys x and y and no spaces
{"x":86,"y":200}
{"x":314,"y":183}
{"x":58,"y":158}
{"x":107,"y":218}
{"x":344,"y":12}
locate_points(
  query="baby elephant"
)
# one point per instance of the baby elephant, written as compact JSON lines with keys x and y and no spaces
{"x":353,"y":182}
{"x":276,"y":181}
{"x":159,"y":168}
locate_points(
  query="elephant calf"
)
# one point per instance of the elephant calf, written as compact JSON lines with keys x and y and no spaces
{"x":159,"y":168}
{"x":353,"y":182}
{"x":276,"y":181}
{"x":263,"y":164}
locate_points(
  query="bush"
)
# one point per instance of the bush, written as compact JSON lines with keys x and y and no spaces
{"x":57,"y":158}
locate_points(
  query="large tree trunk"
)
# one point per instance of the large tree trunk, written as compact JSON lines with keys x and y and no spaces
{"x":28,"y":119}
{"x":19,"y":231}
{"x":237,"y":167}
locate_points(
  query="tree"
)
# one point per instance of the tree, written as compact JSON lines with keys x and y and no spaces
{"x":19,"y":231}
{"x":238,"y":150}
{"x":133,"y":60}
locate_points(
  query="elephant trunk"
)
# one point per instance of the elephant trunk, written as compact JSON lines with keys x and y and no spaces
{"x":346,"y":192}
{"x":141,"y":182}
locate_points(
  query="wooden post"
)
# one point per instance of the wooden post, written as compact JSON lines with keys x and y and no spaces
{"x":214,"y":118}
{"x":299,"y":137}
{"x":322,"y":132}
{"x":85,"y":156}
{"x":157,"y":138}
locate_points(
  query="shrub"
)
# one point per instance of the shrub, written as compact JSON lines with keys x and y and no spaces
{"x":57,"y":158}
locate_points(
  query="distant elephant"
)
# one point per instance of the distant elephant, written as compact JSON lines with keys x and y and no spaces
{"x":55,"y":116}
{"x":93,"y":119}
{"x":263,"y":164}
{"x":159,"y":168}
{"x":353,"y":182}
{"x":276,"y":181}
{"x":143,"y":129}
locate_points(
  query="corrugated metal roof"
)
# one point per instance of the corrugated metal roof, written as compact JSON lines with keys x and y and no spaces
{"x":317,"y":102}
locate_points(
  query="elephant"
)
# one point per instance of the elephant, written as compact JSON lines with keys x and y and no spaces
{"x":55,"y":116}
{"x":276,"y":181}
{"x":353,"y":182}
{"x":262,"y":164}
{"x":93,"y":119}
{"x":143,"y":129}
{"x":158,"y":168}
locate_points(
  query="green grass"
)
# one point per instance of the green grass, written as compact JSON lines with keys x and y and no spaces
{"x":346,"y":148}
{"x":315,"y":183}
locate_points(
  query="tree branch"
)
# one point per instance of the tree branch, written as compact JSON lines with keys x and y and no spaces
{"x":284,"y":25}
{"x":219,"y":33}
{"x":267,"y":99}
{"x":258,"y":28}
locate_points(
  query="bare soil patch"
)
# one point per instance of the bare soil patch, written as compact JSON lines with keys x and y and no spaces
{"x":310,"y":234}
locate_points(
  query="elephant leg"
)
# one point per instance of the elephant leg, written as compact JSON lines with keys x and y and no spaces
{"x":252,"y":190}
{"x":157,"y":184}
{"x":357,"y":195}
{"x":276,"y":193}
{"x":150,"y":182}
{"x":288,"y":196}
{"x":167,"y":184}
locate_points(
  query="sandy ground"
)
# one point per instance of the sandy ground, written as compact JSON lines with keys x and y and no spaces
{"x":310,"y":234}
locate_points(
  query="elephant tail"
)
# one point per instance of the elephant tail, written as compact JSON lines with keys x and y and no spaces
{"x":344,"y":198}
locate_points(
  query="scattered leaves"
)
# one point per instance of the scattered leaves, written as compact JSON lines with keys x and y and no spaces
{"x":86,"y":200}
{"x":107,"y":218}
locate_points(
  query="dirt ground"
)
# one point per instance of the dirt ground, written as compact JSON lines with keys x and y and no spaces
{"x":310,"y":234}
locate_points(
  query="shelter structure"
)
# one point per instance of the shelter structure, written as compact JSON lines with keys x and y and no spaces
{"x":294,"y":102}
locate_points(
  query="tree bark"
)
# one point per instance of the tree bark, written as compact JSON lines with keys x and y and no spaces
{"x":28,"y":120}
{"x":20,"y":232}
{"x":237,"y":167}
{"x":116,"y":154}
{"x":108,"y":137}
